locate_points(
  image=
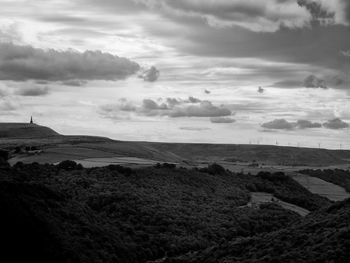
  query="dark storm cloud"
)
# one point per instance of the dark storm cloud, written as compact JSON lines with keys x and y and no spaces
{"x":33,"y":91}
{"x":317,"y":47}
{"x":21,"y":63}
{"x":336,"y":124}
{"x":255,"y":15}
{"x":222,"y":120}
{"x":288,"y":36}
{"x":314,"y":82}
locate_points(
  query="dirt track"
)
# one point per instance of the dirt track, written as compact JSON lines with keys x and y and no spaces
{"x":258,"y":198}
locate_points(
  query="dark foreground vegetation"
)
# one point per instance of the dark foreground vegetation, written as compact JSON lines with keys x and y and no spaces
{"x":323,"y":236}
{"x":66,"y":213}
{"x":337,"y":176}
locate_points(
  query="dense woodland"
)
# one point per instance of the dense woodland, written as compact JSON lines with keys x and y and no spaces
{"x":66,"y":213}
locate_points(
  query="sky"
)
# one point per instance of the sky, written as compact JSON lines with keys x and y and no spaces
{"x":206,"y":71}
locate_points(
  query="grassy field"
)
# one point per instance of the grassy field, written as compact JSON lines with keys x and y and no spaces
{"x":58,"y":147}
{"x":318,"y":186}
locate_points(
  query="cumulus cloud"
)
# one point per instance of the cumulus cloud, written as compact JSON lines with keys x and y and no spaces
{"x":314,"y":82}
{"x":20,"y":63}
{"x":336,"y":124}
{"x":222,"y":120}
{"x":204,"y":109}
{"x":261,"y":90}
{"x":172,"y":108}
{"x":148,"y":104}
{"x":193,"y":100}
{"x":172,"y":102}
{"x":150,"y":75}
{"x":33,"y":91}
{"x":306,"y":124}
{"x":282,"y":124}
{"x":278,"y":124}
{"x":122,"y":105}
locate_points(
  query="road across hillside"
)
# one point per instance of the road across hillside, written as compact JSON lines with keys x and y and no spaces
{"x":258,"y":198}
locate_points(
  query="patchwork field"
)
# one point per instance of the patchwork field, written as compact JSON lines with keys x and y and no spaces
{"x":100,"y":162}
{"x":318,"y":186}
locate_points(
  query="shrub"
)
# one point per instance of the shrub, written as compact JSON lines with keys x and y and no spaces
{"x":69,"y":165}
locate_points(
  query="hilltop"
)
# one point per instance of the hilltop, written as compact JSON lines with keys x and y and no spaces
{"x":25,"y":130}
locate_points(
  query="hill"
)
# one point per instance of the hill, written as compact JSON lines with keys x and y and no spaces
{"x":323,"y":236}
{"x":25,"y":130}
{"x":58,"y":147}
{"x":268,"y":154}
{"x":66,"y":213}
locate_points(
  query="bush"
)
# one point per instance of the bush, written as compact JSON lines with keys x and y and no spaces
{"x":121,"y":169}
{"x":213,"y":169}
{"x":69,"y":165}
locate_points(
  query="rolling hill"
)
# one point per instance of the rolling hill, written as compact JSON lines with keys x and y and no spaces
{"x":25,"y":130}
{"x":58,"y":147}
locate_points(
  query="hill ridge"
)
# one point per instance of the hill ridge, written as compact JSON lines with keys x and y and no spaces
{"x":25,"y":130}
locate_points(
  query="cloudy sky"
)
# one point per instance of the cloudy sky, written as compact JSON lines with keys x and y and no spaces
{"x":216,"y":71}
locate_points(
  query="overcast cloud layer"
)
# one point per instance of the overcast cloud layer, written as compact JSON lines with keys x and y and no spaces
{"x":228,"y":71}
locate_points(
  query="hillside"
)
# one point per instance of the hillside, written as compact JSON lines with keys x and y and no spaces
{"x":321,"y":237}
{"x":58,"y":147}
{"x":25,"y":130}
{"x":269,"y":154}
{"x":65,"y":213}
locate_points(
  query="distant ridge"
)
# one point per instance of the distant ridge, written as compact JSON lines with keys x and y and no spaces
{"x":60,"y":147}
{"x":25,"y":130}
